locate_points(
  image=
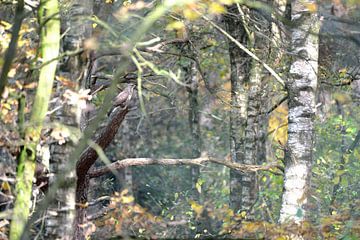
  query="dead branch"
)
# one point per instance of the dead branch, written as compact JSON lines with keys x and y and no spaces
{"x":120,"y":164}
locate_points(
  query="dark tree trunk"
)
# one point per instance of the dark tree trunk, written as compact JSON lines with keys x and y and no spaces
{"x":86,"y":161}
{"x":239,"y":64}
{"x":248,"y":121}
{"x":194,"y":117}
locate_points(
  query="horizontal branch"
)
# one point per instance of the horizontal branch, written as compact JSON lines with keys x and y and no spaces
{"x":129,"y":162}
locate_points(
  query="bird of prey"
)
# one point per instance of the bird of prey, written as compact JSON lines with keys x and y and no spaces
{"x":123,"y":97}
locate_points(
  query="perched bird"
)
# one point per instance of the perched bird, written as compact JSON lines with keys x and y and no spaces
{"x":123,"y":97}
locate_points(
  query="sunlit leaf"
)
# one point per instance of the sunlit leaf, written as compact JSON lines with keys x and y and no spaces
{"x":190,"y":14}
{"x":216,"y":8}
{"x":198,"y":187}
{"x":312,"y":7}
{"x":127,"y":199}
{"x":198,"y":209}
{"x":175,"y":25}
{"x":5,"y":186}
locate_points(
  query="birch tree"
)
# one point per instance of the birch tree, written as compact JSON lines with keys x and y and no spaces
{"x":301,"y":88}
{"x":61,"y":213}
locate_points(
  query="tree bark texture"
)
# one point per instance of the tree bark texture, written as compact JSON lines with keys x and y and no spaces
{"x":247,"y":102}
{"x":61,"y":213}
{"x":49,"y":49}
{"x":194,"y":117}
{"x":87,"y":160}
{"x":239,"y":64}
{"x":301,"y":88}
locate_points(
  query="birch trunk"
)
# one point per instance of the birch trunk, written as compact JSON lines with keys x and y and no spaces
{"x":301,"y":87}
{"x":61,"y":213}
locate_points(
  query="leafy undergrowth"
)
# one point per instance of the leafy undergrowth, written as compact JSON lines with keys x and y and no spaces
{"x":126,"y":219}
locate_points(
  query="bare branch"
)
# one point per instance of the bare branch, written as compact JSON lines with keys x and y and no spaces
{"x":128,"y":162}
{"x":11,"y":51}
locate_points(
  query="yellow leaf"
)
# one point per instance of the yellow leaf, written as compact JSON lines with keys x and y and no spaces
{"x":6,"y":106}
{"x":190,"y":14}
{"x":5,"y":186}
{"x":264,"y":179}
{"x":5,"y":24}
{"x":95,"y":18}
{"x":176,"y":25}
{"x":198,"y":187}
{"x":312,"y":7}
{"x":198,"y":209}
{"x":278,"y":124}
{"x":282,"y":238}
{"x":127,"y":199}
{"x":243,"y":214}
{"x":216,"y":8}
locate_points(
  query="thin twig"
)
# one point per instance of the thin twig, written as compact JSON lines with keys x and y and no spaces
{"x":247,"y":51}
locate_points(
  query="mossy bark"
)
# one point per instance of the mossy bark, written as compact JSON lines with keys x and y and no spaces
{"x":49,"y":49}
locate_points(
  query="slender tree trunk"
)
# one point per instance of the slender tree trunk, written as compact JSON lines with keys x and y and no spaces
{"x":239,"y":63}
{"x":301,"y":88}
{"x":343,"y":151}
{"x":202,"y":224}
{"x":60,"y":225}
{"x":194,"y":124}
{"x":49,"y":49}
{"x":255,"y":133}
{"x":247,"y":79}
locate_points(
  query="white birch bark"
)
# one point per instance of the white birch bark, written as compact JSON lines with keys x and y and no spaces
{"x":61,"y":213}
{"x":301,"y":91}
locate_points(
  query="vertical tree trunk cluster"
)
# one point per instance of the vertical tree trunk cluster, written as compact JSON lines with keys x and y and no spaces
{"x":248,"y":111}
{"x":301,"y":86}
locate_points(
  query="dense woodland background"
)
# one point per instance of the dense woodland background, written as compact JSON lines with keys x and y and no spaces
{"x":179,"y":119}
